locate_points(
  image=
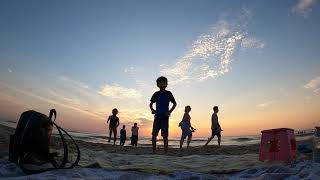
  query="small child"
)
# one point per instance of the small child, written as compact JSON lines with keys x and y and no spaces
{"x":186,"y":127}
{"x":123,"y":135}
{"x":134,"y":137}
{"x":114,"y":123}
{"x":162,"y":99}
{"x":215,"y":126}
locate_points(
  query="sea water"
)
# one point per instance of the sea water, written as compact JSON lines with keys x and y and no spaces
{"x":173,"y":141}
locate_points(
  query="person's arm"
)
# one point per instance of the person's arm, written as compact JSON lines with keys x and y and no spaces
{"x":219,"y":126}
{"x":152,"y":100}
{"x":190,"y":123}
{"x":153,"y":111}
{"x":108,"y":119}
{"x":173,"y":101}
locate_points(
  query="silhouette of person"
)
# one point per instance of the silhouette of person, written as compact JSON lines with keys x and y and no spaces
{"x":134,"y":136}
{"x":186,"y":127}
{"x":114,"y":123}
{"x":123,"y":135}
{"x":215,"y":126}
{"x":162,"y":112}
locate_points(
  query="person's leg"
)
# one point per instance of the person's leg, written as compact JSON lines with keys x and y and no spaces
{"x":188,"y":141}
{"x":154,"y":143}
{"x":114,"y":135}
{"x":165,"y":142}
{"x":181,"y":142}
{"x":209,"y":139}
{"x":219,"y":139}
{"x":137,"y":141}
{"x":155,"y":132}
{"x":165,"y":132}
{"x":110,"y":133}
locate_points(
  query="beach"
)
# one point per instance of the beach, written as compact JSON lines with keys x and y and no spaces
{"x":104,"y":161}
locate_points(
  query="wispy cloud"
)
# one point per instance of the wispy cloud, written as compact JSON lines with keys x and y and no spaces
{"x":73,"y":82}
{"x":267,"y":104}
{"x":10,"y":70}
{"x":250,"y":42}
{"x":313,"y":83}
{"x":116,"y":91}
{"x":133,"y":70}
{"x":210,"y":55}
{"x":303,"y":7}
{"x":48,"y":100}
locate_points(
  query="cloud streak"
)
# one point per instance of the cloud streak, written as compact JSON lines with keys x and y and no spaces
{"x":267,"y":104}
{"x":48,"y":100}
{"x":210,"y":55}
{"x":314,"y":85}
{"x":116,"y":91}
{"x":303,"y":7}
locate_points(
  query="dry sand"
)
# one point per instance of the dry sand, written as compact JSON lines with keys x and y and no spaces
{"x":209,"y":159}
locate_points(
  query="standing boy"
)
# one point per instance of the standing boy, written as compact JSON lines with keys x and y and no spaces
{"x":215,"y":126}
{"x":162,"y":112}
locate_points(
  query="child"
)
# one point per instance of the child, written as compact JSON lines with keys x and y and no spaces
{"x":186,"y":127}
{"x":134,"y":137}
{"x":215,"y":126}
{"x":162,"y":112}
{"x":114,"y":123}
{"x":123,"y":135}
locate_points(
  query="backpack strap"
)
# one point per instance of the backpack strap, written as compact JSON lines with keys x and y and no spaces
{"x":52,"y":112}
{"x":75,"y":163}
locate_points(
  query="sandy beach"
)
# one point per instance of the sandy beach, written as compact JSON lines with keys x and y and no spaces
{"x":100,"y":160}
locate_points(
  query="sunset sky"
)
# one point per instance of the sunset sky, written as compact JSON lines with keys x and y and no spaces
{"x":257,"y":60}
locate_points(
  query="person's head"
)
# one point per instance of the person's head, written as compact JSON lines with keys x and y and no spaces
{"x":216,"y":109}
{"x":124,"y":126}
{"x":115,"y":111}
{"x":135,"y":125}
{"x":187,"y":109}
{"x":162,"y":82}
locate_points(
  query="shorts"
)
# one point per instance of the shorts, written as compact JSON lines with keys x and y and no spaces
{"x":122,"y":140}
{"x":186,"y":133}
{"x":134,"y":140}
{"x":216,"y":132}
{"x":160,"y":122}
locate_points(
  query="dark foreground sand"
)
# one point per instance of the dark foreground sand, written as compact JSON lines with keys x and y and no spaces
{"x":100,"y":160}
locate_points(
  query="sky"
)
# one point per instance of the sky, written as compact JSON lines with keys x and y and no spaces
{"x":257,"y":60}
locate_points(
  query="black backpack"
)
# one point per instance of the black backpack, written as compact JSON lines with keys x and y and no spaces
{"x":30,"y":143}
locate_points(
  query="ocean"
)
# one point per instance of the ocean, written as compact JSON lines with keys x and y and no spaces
{"x":173,"y":142}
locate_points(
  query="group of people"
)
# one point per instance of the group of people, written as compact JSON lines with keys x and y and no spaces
{"x":162,"y":98}
{"x":113,"y":125}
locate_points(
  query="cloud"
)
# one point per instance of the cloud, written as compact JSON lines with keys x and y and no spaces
{"x":250,"y":42}
{"x":73,"y":82}
{"x":48,"y":100}
{"x":267,"y":104}
{"x":210,"y":55}
{"x":317,"y":91}
{"x":303,"y":7}
{"x":116,"y":91}
{"x":132,"y":70}
{"x":10,"y":70}
{"x":313,"y":83}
